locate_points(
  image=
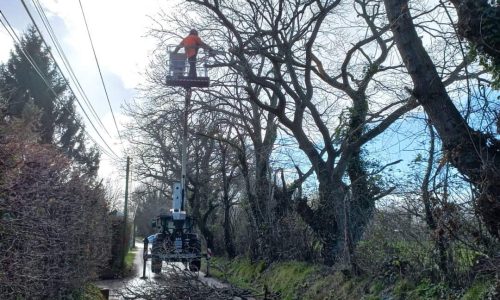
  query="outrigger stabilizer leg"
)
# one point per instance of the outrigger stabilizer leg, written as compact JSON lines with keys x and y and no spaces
{"x":145,"y":258}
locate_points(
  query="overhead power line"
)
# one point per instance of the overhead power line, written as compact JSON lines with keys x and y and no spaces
{"x":66,"y":64}
{"x":16,"y":40}
{"x":99,"y":68}
{"x":60,"y":51}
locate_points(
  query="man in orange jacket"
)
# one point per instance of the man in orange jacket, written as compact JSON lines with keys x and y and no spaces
{"x":191,"y":44}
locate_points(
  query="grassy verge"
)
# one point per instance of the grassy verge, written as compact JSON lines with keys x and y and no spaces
{"x":481,"y":289}
{"x":290,"y":280}
{"x":90,"y":292}
{"x":129,"y":263}
{"x":298,"y":280}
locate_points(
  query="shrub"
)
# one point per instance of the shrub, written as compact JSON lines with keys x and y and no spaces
{"x":53,"y":223}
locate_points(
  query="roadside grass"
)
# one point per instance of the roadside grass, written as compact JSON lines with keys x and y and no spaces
{"x":291,"y":280}
{"x":90,"y":292}
{"x":129,"y":263}
{"x":289,"y":277}
{"x":479,"y":290}
{"x":239,"y":272}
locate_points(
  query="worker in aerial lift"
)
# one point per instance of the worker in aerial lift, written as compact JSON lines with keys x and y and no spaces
{"x":191,"y":44}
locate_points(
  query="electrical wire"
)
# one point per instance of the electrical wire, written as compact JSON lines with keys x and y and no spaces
{"x":64,"y":59}
{"x":82,"y":93}
{"x":99,"y":68}
{"x":16,"y":40}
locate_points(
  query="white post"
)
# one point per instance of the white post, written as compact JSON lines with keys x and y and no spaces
{"x":184,"y":147}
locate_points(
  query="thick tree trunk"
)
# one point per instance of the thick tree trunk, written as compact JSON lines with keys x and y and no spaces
{"x":260,"y":249}
{"x":253,"y":244}
{"x":342,"y":216}
{"x":479,"y":23}
{"x":202,"y":217}
{"x":361,"y":203}
{"x":326,"y":219}
{"x":205,"y":230}
{"x":264,"y":205}
{"x":474,"y":154}
{"x":259,"y":198}
{"x":359,"y":207}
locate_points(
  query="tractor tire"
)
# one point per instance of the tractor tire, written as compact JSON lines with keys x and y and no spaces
{"x":195,"y":265}
{"x":156,"y":263}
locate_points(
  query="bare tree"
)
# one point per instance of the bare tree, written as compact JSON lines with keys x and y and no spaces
{"x":277,"y":54}
{"x":298,"y":63}
{"x":472,"y":152}
{"x":113,"y":194}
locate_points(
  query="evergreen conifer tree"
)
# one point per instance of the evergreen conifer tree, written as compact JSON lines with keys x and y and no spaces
{"x":21,"y":84}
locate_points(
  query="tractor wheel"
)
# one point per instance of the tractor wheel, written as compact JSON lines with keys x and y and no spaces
{"x":156,"y":262}
{"x":195,"y":265}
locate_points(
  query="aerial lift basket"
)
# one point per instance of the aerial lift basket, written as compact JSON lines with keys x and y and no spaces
{"x":178,"y":72}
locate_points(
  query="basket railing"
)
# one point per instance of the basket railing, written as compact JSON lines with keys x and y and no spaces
{"x":179,"y":66}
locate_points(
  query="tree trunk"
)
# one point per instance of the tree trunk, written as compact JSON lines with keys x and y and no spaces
{"x":253,"y":243}
{"x":429,"y":206}
{"x":205,"y":230}
{"x":479,"y":23}
{"x":326,"y":219}
{"x":259,"y":198}
{"x":228,"y":239}
{"x":474,"y":154}
{"x":226,"y":201}
{"x":264,"y":206}
{"x":361,"y":203}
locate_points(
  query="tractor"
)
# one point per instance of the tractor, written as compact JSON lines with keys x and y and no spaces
{"x":174,"y":240}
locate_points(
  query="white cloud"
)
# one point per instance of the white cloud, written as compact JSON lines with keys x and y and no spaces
{"x":6,"y":44}
{"x":107,"y":166}
{"x":117,"y":28}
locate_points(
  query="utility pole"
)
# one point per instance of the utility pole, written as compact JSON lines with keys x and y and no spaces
{"x":125,"y":214}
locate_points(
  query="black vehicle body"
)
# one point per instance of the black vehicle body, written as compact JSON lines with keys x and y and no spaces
{"x":175,"y":241}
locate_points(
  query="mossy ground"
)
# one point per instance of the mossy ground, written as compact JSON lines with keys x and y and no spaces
{"x":298,"y":280}
{"x":90,"y":292}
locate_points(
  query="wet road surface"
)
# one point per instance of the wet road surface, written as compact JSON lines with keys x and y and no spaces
{"x":116,"y":286}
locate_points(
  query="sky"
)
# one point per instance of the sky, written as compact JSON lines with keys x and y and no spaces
{"x":118,"y":29}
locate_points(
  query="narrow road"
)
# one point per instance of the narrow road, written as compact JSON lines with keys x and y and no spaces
{"x":115,"y":286}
